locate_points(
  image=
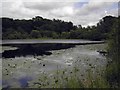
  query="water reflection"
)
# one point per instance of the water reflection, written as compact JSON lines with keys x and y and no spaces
{"x":35,"y":50}
{"x":24,"y":81}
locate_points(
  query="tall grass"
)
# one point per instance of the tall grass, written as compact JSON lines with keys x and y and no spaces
{"x":71,"y":79}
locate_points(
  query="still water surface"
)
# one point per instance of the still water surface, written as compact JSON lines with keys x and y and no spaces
{"x":18,"y":71}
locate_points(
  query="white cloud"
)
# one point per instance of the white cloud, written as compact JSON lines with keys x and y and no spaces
{"x":63,"y":12}
{"x":87,"y":14}
{"x":46,"y":0}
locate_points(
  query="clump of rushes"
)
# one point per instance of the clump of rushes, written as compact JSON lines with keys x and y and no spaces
{"x":97,"y":81}
{"x":66,"y":79}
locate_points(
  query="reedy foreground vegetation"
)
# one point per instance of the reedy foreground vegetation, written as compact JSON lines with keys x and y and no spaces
{"x":71,"y":79}
{"x":113,"y":69}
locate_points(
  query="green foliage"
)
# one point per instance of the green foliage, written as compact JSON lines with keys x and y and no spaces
{"x":65,"y":35}
{"x":35,"y":34}
{"x":64,"y":79}
{"x":39,"y":27}
{"x":113,"y":69}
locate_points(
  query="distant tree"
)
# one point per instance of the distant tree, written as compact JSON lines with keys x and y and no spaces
{"x":80,"y":26}
{"x":65,"y":35}
{"x":37,"y":18}
{"x":105,"y":25}
{"x":7,"y":23}
{"x":55,"y":35}
{"x":35,"y":34}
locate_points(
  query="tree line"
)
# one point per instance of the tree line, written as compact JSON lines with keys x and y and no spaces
{"x":39,"y":27}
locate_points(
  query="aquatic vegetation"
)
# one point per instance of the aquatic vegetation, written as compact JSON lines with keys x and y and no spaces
{"x":52,"y":71}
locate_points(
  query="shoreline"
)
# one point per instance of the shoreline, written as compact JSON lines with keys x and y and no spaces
{"x":50,"y":41}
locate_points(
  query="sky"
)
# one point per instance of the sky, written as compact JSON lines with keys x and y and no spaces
{"x":80,"y":12}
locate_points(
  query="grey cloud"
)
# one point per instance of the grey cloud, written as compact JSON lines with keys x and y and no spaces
{"x":45,"y":5}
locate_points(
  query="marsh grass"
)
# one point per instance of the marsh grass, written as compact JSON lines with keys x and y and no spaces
{"x":112,"y":74}
{"x":71,"y":79}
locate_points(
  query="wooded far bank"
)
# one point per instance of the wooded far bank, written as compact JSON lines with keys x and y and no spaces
{"x":40,"y":28}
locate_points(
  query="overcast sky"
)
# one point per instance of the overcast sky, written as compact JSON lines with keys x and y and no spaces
{"x":84,"y":12}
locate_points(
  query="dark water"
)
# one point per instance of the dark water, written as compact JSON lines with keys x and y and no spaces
{"x":40,"y":47}
{"x":35,"y":50}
